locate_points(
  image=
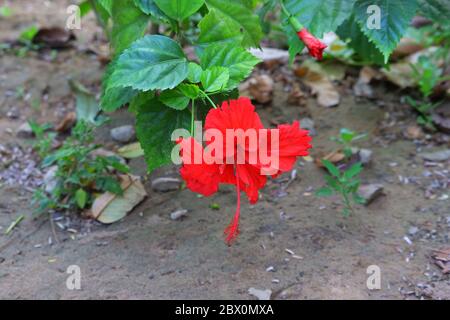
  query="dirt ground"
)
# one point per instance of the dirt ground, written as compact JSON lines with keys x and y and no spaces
{"x":149,"y":256}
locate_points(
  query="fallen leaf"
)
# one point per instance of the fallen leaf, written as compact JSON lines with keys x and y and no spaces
{"x":109,"y":207}
{"x":406,"y":47}
{"x":270,"y":57}
{"x":313,"y":75}
{"x":261,"y":88}
{"x":401,"y":74}
{"x":334,"y":157}
{"x":296,"y":96}
{"x":131,"y":151}
{"x":67,"y":122}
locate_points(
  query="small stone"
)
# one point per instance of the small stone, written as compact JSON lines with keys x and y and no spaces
{"x":25,"y":131}
{"x":13,"y":113}
{"x":441,"y":155}
{"x":50,"y":179}
{"x":166,"y":184}
{"x":370,"y":192}
{"x":260,"y":294}
{"x":413,"y":230}
{"x":414,"y":132}
{"x":178,"y":214}
{"x":123,"y":134}
{"x":308,"y":124}
{"x":365,"y":155}
{"x":270,"y":269}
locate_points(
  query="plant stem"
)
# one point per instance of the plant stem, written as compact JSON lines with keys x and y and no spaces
{"x":292,"y":20}
{"x":192,"y":117}
{"x":209,"y":99}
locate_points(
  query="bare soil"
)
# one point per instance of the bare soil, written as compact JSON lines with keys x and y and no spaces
{"x":149,"y":256}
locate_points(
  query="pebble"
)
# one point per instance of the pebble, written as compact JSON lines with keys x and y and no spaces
{"x":370,"y":192}
{"x":50,"y":180}
{"x":441,"y":155}
{"x":308,"y":124}
{"x":365,"y":155}
{"x":178,"y":214}
{"x":165,"y":184}
{"x":123,"y":134}
{"x":413,"y":230}
{"x":260,"y":294}
{"x":25,"y":131}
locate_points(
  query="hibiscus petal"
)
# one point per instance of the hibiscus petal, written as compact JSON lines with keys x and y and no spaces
{"x":234,"y":114}
{"x":200,"y":177}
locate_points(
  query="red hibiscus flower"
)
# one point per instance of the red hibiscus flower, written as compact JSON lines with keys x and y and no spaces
{"x":314,"y":45}
{"x":238,"y":161}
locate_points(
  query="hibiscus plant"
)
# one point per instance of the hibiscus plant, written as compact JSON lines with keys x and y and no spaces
{"x":152,"y":74}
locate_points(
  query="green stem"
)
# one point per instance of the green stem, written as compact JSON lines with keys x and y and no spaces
{"x":209,"y":99}
{"x":192,"y":117}
{"x":292,"y":20}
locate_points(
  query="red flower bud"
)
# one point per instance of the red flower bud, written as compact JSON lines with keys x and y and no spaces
{"x":314,"y":45}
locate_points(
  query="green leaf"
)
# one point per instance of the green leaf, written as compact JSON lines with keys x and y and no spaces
{"x":116,"y":164}
{"x":103,"y":10}
{"x":239,"y":17}
{"x":365,"y":50}
{"x":174,"y":98}
{"x":129,"y":24}
{"x":320,"y":16}
{"x":110,"y":184}
{"x":238,"y":61}
{"x":436,"y":10}
{"x":87,"y":107}
{"x":358,"y":199}
{"x":150,"y":7}
{"x":28,"y":34}
{"x":353,"y":170}
{"x":332,"y":169}
{"x":395,"y":18}
{"x":141,"y":101}
{"x":347,"y":134}
{"x":324,"y":192}
{"x":81,"y":198}
{"x":192,"y":91}
{"x":153,"y":62}
{"x":85,"y":8}
{"x":106,"y":4}
{"x":179,"y":9}
{"x":215,"y":79}
{"x":114,"y":97}
{"x":214,"y":29}
{"x":154,"y":128}
{"x":5,"y":11}
{"x":194,"y":72}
